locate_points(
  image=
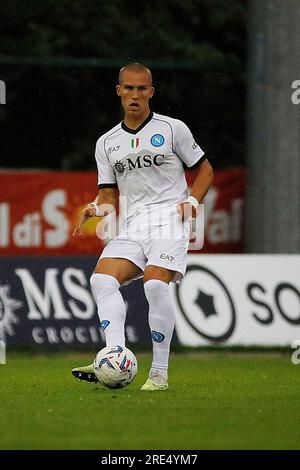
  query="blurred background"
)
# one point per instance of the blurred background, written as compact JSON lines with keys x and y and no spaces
{"x":60,"y":61}
{"x":230,"y":70}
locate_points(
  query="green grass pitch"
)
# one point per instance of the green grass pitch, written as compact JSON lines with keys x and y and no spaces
{"x":215,"y":400}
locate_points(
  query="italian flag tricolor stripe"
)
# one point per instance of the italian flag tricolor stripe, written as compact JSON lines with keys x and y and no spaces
{"x":135,"y":143}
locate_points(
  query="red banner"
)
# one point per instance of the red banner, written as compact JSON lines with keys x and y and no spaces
{"x":224,"y":211}
{"x":39,"y":210}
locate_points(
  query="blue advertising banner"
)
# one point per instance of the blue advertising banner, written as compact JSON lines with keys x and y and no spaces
{"x":47,"y":302}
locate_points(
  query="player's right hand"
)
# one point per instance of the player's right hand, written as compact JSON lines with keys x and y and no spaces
{"x":88,"y":212}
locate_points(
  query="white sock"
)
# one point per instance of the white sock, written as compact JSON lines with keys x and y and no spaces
{"x":161,"y":322}
{"x":111,"y":307}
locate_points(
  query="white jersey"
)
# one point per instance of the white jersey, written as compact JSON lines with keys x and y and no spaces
{"x":147,"y":164}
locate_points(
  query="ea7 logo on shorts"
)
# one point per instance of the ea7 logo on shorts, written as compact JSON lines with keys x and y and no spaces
{"x":168,"y":257}
{"x":157,"y":140}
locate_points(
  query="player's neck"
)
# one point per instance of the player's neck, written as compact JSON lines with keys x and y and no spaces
{"x":133,"y":122}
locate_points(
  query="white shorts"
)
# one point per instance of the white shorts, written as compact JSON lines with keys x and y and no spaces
{"x":157,"y":238}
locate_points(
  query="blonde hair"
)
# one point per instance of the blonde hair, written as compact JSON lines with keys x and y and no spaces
{"x":135,"y":67}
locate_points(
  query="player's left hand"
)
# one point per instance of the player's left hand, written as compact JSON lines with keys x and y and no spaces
{"x":187,"y":211}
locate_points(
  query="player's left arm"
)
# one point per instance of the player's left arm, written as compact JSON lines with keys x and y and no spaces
{"x":200,"y":187}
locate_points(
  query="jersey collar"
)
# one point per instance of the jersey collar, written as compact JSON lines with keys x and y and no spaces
{"x":135,"y":131}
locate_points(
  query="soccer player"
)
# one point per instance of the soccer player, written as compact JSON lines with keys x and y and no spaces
{"x":144,"y":158}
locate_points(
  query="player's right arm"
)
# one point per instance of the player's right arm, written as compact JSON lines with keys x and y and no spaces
{"x":104,"y":203}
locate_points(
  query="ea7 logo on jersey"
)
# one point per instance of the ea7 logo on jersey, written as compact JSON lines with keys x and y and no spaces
{"x":113,"y":149}
{"x":167,"y":257}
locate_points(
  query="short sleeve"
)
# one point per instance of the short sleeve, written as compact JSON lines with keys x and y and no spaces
{"x":186,"y":147}
{"x":106,"y":175}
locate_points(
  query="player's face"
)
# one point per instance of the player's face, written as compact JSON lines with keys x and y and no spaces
{"x":135,"y":90}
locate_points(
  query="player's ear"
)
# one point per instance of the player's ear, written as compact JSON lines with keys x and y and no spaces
{"x":152,"y":91}
{"x":118,"y":90}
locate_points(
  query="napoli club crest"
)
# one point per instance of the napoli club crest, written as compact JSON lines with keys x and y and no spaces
{"x":157,"y":140}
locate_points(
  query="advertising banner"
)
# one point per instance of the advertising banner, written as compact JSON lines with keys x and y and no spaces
{"x":222,"y":300}
{"x":39,"y":210}
{"x":47,"y":302}
{"x":239,"y":300}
